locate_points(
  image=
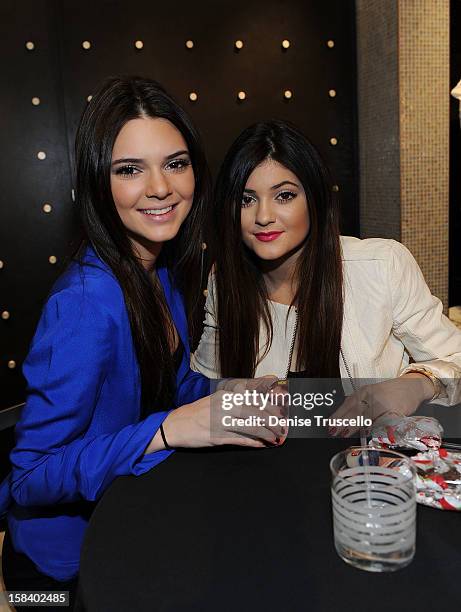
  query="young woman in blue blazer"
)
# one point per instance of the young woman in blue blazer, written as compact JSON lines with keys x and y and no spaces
{"x":109,"y":388}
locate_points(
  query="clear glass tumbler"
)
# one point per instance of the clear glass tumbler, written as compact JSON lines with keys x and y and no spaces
{"x":374,"y":508}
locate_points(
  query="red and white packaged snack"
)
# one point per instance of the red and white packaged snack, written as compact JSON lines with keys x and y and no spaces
{"x":395,"y":431}
{"x":438,"y":479}
{"x":438,"y":470}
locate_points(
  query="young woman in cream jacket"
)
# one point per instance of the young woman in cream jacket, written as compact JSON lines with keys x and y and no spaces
{"x":288,"y":294}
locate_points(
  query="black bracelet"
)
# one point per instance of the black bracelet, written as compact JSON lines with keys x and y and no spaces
{"x":162,"y":433}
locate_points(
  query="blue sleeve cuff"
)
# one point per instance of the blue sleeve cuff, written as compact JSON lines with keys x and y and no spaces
{"x":146,"y":462}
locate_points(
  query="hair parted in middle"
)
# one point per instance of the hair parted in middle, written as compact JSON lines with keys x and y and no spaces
{"x":242,"y":298}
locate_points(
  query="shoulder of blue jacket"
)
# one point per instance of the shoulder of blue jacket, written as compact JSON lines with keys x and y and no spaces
{"x":93,"y":280}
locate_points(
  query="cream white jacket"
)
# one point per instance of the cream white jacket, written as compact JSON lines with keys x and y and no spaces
{"x":390,"y":319}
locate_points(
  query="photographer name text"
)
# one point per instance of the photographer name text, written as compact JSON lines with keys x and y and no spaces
{"x":272,"y":420}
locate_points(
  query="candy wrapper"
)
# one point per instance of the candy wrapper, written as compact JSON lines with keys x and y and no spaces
{"x":438,"y":470}
{"x":438,"y":474}
{"x":438,"y":480}
{"x":396,"y":431}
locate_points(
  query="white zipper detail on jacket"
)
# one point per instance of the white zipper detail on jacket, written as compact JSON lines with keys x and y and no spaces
{"x":292,"y":346}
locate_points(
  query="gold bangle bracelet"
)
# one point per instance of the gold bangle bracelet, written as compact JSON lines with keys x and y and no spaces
{"x":428,"y":374}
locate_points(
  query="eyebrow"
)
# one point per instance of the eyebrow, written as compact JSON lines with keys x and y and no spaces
{"x":137,"y":160}
{"x":274,"y":186}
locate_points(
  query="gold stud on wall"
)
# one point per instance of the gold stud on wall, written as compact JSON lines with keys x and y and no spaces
{"x":47,"y":208}
{"x":1,"y":264}
{"x":335,"y":188}
{"x":204,"y":246}
{"x":238,"y":45}
{"x":35,"y":101}
{"x":41,"y":155}
{"x":86,"y":45}
{"x":5,"y":315}
{"x":205,"y":292}
{"x":330,"y":44}
{"x":30,"y":45}
{"x":139,"y":44}
{"x":189,"y":44}
{"x":287,"y":94}
{"x":241,"y":95}
{"x":52,"y":259}
{"x":332,"y":93}
{"x":333,"y":141}
{"x":89,"y":98}
{"x":193,"y":96}
{"x":11,"y":364}
{"x":285,"y":44}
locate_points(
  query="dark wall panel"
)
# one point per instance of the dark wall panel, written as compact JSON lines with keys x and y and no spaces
{"x":216,"y":72}
{"x":63,"y":74}
{"x":29,"y":236}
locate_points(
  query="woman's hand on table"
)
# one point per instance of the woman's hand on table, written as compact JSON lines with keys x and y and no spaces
{"x":401,"y":395}
{"x":206,"y":422}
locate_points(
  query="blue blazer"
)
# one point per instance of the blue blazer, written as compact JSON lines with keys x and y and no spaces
{"x":81,"y":427}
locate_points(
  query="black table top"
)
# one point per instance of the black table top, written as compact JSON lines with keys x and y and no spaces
{"x":240,"y":529}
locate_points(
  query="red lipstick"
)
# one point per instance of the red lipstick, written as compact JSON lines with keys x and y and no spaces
{"x":267,"y":236}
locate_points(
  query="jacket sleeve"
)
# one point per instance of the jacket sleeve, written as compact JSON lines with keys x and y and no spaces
{"x":56,"y":459}
{"x":430,"y":338}
{"x":205,"y":359}
{"x":192,"y":387}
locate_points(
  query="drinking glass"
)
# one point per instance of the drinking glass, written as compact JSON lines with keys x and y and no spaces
{"x":374,"y":508}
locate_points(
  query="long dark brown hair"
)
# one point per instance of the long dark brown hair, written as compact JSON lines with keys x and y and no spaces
{"x":242,"y":298}
{"x":118,"y":100}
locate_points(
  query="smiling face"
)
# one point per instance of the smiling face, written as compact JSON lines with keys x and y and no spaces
{"x":152,"y":183}
{"x":274,"y":213}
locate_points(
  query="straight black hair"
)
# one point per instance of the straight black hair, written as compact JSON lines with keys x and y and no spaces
{"x":118,"y":100}
{"x":242,"y":298}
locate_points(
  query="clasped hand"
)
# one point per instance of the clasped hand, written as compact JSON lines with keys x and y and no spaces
{"x":401,"y":396}
{"x":205,"y":422}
